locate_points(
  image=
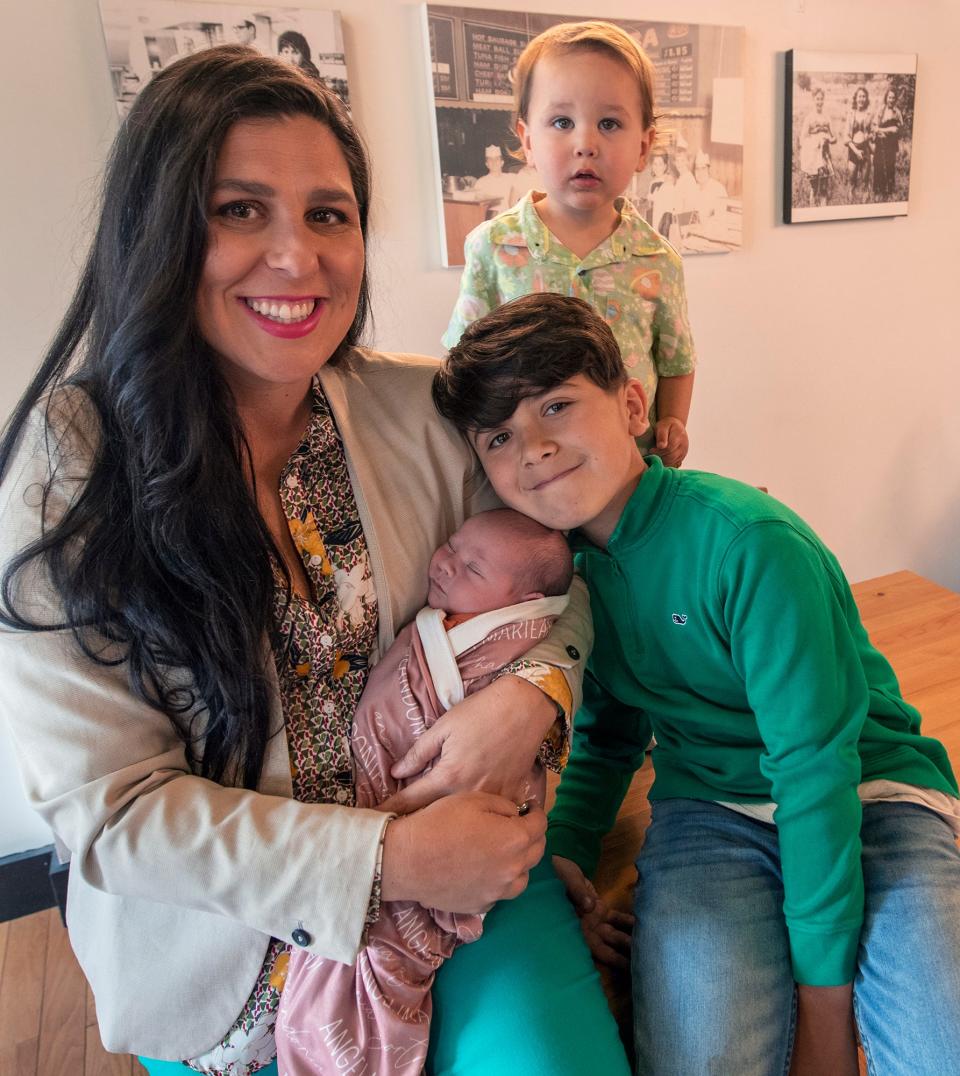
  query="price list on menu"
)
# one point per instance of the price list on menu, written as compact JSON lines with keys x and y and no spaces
{"x":492,"y":53}
{"x":442,"y":57}
{"x":676,"y":75}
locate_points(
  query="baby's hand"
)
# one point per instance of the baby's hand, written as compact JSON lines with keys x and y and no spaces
{"x":607,"y":932}
{"x":671,"y":443}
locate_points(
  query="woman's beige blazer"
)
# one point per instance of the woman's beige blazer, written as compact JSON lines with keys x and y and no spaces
{"x":177,"y":883}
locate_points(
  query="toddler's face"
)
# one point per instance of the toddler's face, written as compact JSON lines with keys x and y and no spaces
{"x":584,"y":130}
{"x":476,"y":570}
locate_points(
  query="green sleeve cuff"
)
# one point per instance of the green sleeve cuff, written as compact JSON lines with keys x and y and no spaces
{"x":824,"y":959}
{"x":574,"y":843}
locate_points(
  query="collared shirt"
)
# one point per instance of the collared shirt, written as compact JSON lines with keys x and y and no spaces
{"x":633,"y":279}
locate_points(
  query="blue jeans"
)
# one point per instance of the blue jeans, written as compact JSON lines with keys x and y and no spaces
{"x":712,"y":980}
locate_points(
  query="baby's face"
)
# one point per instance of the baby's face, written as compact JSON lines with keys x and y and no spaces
{"x":474,"y":571}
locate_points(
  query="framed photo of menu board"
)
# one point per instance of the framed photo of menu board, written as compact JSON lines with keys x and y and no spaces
{"x":471,"y":56}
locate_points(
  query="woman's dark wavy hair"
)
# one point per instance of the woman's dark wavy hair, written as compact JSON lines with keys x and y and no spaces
{"x":164,"y":553}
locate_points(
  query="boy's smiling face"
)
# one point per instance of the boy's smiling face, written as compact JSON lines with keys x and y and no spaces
{"x":568,"y":457}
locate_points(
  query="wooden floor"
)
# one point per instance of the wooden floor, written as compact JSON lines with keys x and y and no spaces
{"x":47,"y":1020}
{"x":48,"y":1025}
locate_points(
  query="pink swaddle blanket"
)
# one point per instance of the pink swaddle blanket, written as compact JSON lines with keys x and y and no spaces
{"x":372,"y":1018}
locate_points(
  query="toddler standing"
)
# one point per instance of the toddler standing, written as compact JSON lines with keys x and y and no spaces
{"x":583,"y":94}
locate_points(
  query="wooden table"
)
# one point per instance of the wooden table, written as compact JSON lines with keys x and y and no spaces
{"x":916,"y":624}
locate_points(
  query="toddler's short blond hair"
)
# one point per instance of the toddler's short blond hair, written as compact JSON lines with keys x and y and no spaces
{"x":592,"y":36}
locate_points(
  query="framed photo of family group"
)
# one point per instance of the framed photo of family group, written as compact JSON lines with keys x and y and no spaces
{"x":848,"y":135}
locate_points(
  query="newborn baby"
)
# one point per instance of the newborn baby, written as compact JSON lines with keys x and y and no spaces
{"x":495,"y":588}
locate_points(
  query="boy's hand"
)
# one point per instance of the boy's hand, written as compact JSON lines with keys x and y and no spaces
{"x":671,"y":443}
{"x":607,"y":932}
{"x":825,"y":1039}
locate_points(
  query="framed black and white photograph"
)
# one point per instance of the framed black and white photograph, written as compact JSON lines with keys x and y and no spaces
{"x":143,"y":38}
{"x":848,"y":134}
{"x":692,"y":187}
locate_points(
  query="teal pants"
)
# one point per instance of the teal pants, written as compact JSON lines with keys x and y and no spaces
{"x":524,"y":1000}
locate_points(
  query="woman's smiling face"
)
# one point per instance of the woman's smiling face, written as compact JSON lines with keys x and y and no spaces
{"x":285,"y":257}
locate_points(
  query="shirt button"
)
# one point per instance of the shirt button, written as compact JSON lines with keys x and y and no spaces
{"x":573,"y":652}
{"x":301,"y":937}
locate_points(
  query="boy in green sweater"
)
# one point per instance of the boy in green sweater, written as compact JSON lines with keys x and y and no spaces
{"x":801,"y":861}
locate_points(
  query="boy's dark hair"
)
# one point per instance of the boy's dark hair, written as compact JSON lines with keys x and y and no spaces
{"x":523,"y":348}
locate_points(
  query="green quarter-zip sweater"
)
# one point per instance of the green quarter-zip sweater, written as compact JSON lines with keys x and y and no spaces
{"x":727,"y":629}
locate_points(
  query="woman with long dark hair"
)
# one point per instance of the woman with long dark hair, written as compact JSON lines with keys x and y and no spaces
{"x":216,"y":511}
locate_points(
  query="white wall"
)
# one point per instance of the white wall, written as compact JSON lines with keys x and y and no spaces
{"x":828,"y":356}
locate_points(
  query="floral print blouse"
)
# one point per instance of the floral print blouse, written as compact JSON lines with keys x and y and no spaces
{"x":323,"y":648}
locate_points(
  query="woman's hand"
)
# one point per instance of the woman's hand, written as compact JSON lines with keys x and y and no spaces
{"x":607,"y":932}
{"x":825,"y":1039}
{"x":486,"y":743}
{"x":462,"y":853}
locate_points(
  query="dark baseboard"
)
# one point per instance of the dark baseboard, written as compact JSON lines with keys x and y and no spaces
{"x":30,"y":882}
